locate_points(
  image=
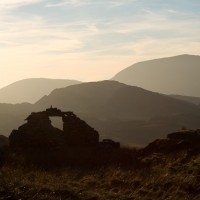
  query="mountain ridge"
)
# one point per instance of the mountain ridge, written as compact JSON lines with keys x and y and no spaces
{"x":109,"y":92}
{"x":171,"y":75}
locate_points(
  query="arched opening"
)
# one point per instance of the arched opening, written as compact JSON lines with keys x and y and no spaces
{"x":57,"y":122}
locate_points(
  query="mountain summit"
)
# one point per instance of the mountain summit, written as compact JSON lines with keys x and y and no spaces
{"x":31,"y":90}
{"x":172,"y":75}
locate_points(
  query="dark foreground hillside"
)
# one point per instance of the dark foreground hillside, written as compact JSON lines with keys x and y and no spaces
{"x":172,"y":180}
{"x":169,"y":170}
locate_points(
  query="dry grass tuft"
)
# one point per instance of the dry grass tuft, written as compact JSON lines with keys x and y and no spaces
{"x":173,"y":180}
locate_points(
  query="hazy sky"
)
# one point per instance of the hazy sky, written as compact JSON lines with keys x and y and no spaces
{"x":91,"y":39}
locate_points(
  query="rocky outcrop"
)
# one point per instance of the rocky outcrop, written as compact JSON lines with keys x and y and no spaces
{"x":192,"y":136}
{"x":188,"y":140}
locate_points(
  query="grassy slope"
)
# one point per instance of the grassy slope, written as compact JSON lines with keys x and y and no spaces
{"x":172,"y":178}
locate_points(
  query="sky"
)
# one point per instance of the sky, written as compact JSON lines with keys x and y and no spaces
{"x":90,"y":40}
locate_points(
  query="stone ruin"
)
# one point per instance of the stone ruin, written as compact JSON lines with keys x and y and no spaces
{"x":38,"y":141}
{"x":38,"y":134}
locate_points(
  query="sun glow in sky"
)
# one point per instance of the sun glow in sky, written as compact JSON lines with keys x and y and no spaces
{"x":91,"y":40}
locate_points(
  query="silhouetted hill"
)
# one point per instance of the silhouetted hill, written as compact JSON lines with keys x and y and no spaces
{"x":111,"y":99}
{"x":127,"y":114}
{"x":13,"y":115}
{"x":173,"y":75}
{"x":31,"y":90}
{"x":194,"y":100}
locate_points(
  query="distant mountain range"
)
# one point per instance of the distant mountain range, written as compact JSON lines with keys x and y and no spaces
{"x":178,"y":75}
{"x":128,"y":114}
{"x":125,"y":113}
{"x":31,"y":90}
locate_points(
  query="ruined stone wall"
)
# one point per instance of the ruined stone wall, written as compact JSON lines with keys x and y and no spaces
{"x":38,"y":133}
{"x":78,"y":133}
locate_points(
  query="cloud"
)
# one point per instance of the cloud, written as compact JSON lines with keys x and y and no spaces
{"x":12,"y":4}
{"x":78,"y":3}
{"x":37,"y":32}
{"x":90,"y":40}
